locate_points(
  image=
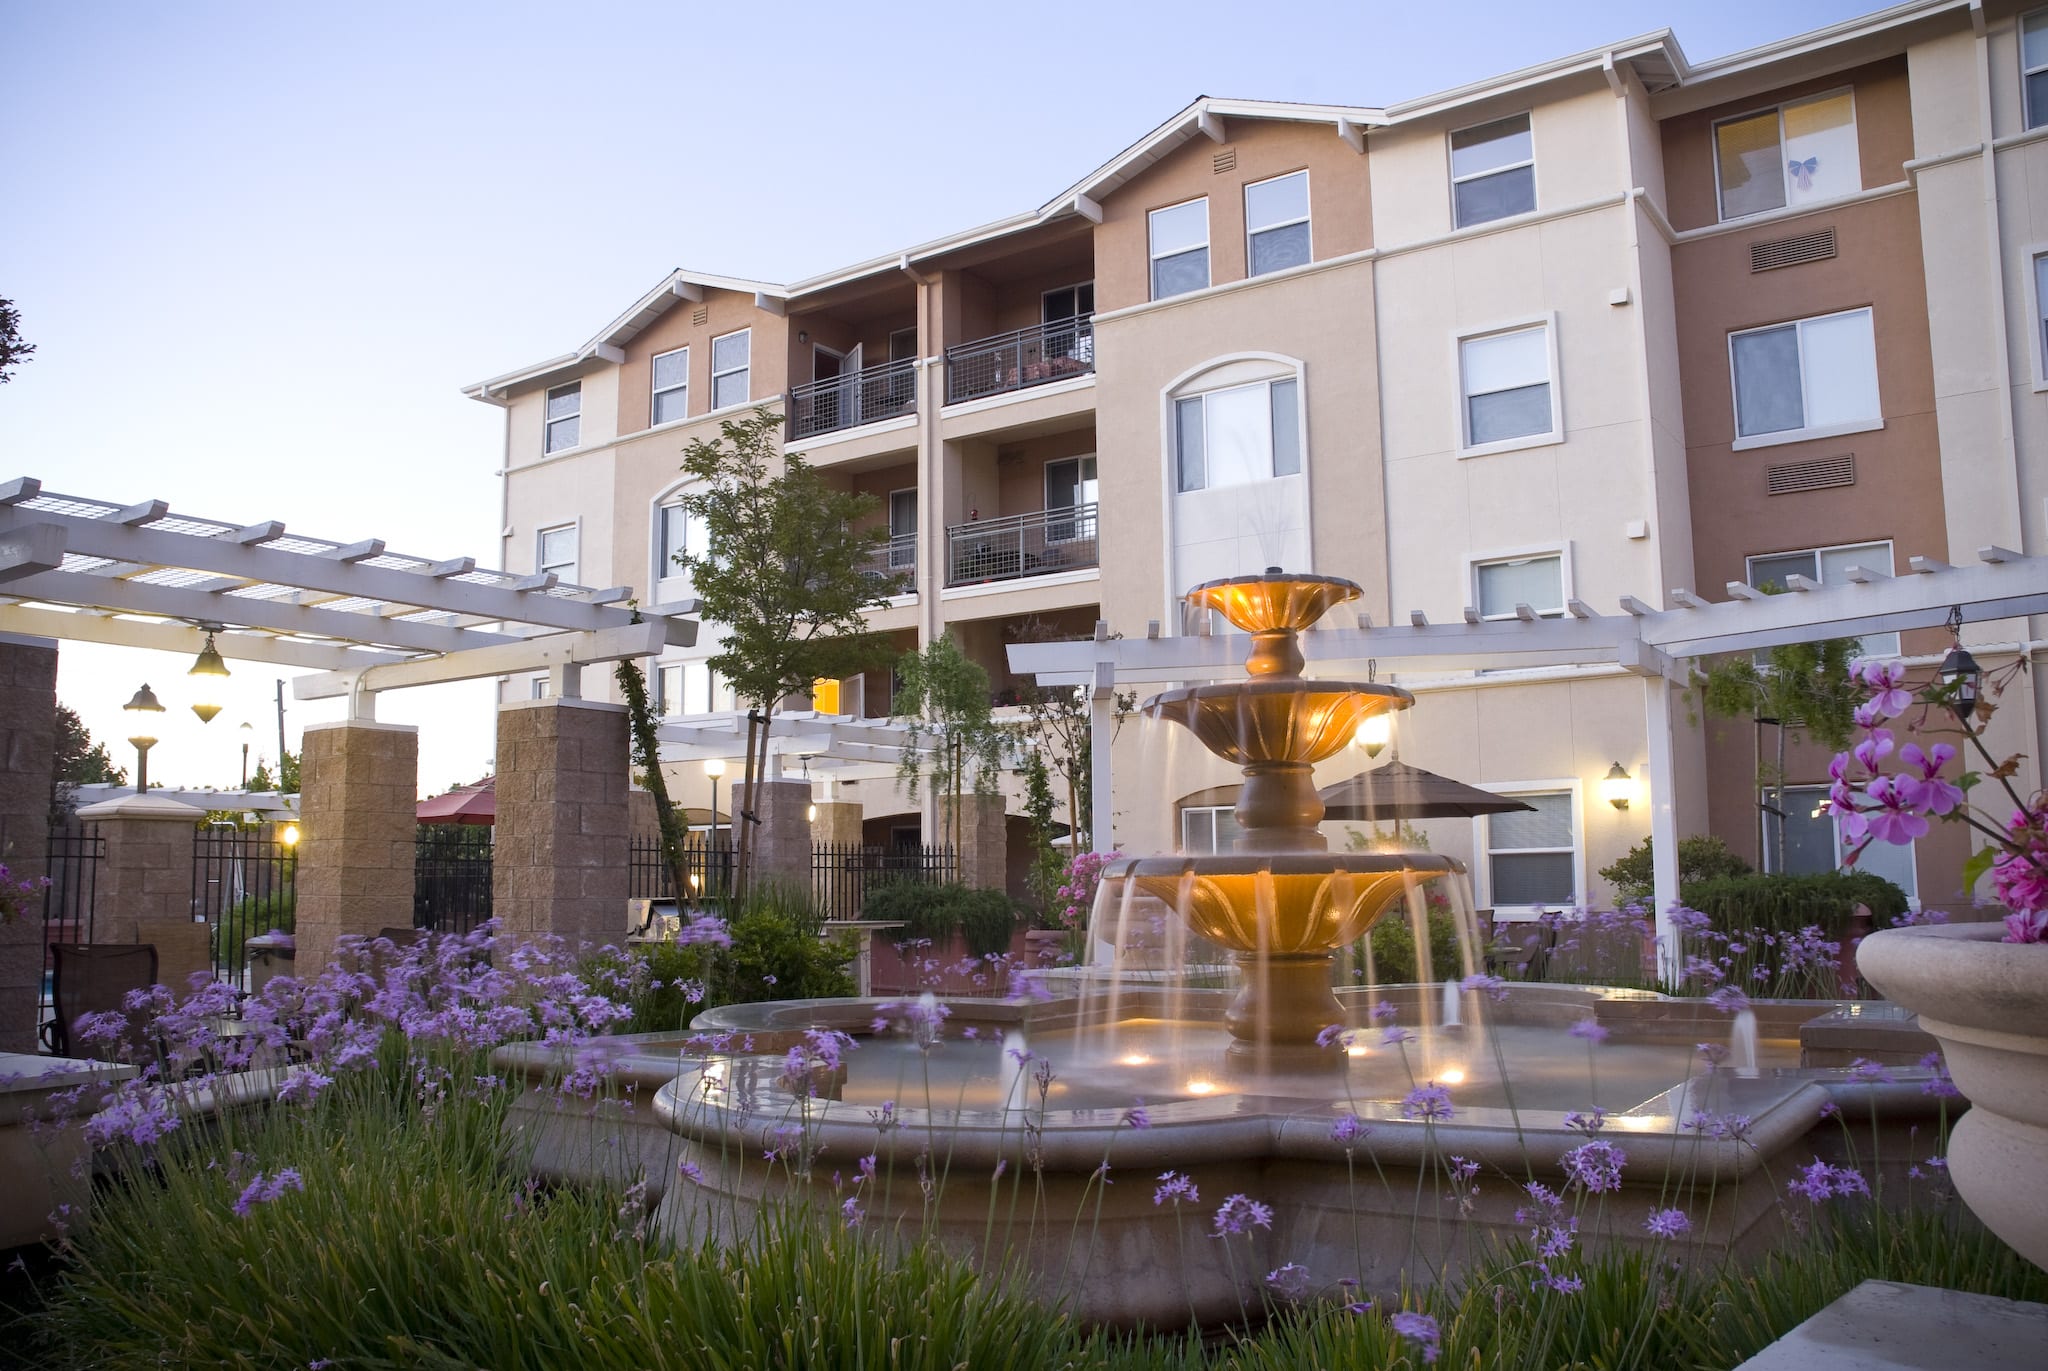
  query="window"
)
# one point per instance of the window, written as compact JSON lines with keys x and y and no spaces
{"x":1276,"y":223}
{"x":2034,"y":66}
{"x":564,"y":416}
{"x":1180,"y":248}
{"x":1536,"y":581}
{"x":1065,"y":313}
{"x":1827,"y":566}
{"x":1813,"y":841}
{"x":903,"y":345}
{"x":671,"y":386}
{"x":680,"y":531}
{"x":540,"y":688}
{"x":1532,"y":855}
{"x":825,"y":693}
{"x":1208,"y":829}
{"x":1790,"y":156}
{"x":1070,"y":485}
{"x":2041,"y":315}
{"x":1508,"y":395}
{"x":1805,"y":379}
{"x":557,"y":553}
{"x":1493,"y":171}
{"x":690,"y":688}
{"x":903,"y":529}
{"x":729,"y":368}
{"x":1243,"y":434}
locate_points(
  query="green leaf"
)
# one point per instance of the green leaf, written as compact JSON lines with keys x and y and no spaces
{"x":1979,"y":863}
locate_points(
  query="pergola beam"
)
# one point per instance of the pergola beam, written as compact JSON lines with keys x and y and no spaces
{"x":502,"y":659}
{"x":163,"y":636}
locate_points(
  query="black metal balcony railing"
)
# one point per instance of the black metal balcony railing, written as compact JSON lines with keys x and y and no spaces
{"x":895,"y":561}
{"x":1036,"y":544}
{"x":860,"y":397}
{"x":1028,"y":357}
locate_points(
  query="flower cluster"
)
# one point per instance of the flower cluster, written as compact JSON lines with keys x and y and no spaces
{"x":1076,"y":894}
{"x":1821,"y":1181}
{"x":18,"y":897}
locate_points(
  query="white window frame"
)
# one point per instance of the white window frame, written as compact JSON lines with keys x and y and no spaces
{"x":1809,"y":433}
{"x":1483,"y":850}
{"x":1079,"y":529}
{"x":1785,"y":205}
{"x":539,"y":688}
{"x":1891,"y":553}
{"x":1307,"y":219}
{"x":1548,"y":323}
{"x":2035,"y":257}
{"x":747,"y":370}
{"x":1174,"y":403}
{"x":1561,"y":551}
{"x":1536,"y":189}
{"x":547,"y":424}
{"x":1210,"y":812}
{"x":2029,"y":116}
{"x":654,"y":392}
{"x":1154,"y":256}
{"x":574,"y":528}
{"x":669,"y":701}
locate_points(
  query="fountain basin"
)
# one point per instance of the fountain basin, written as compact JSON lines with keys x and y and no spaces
{"x":1277,"y":718}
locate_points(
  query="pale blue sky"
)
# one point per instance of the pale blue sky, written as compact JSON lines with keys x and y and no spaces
{"x":260,"y":247}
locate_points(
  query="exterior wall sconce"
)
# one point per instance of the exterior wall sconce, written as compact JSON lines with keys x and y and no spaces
{"x":1617,"y":787}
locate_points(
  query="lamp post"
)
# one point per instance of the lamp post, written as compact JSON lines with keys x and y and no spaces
{"x":248,"y":729}
{"x":138,"y":710}
{"x":714,"y":767}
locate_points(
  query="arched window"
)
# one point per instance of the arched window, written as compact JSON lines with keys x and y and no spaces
{"x":1237,"y":423}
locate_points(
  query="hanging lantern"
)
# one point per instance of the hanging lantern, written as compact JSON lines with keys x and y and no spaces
{"x":1375,"y":733}
{"x":211,"y":671}
{"x":1960,"y":672}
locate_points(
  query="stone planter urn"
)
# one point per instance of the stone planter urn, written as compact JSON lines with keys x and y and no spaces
{"x":1986,"y":1002}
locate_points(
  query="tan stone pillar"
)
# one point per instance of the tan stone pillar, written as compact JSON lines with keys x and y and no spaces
{"x":560,"y":855}
{"x":28,"y":746}
{"x":781,"y":841}
{"x":838,"y":824}
{"x":359,"y":788}
{"x":984,"y":839}
{"x":143,"y":891}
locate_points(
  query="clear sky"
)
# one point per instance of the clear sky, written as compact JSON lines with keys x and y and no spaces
{"x":260,"y":247}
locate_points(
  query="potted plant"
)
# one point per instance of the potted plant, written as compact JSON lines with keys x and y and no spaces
{"x":1980,"y":989}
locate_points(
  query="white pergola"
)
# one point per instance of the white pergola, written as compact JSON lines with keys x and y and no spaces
{"x":1654,"y":644}
{"x":366,"y":618}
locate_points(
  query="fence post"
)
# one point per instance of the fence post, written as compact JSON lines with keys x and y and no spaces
{"x":145,"y":883}
{"x":28,"y":750}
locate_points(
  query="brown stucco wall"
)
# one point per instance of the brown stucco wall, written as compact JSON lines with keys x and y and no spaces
{"x":725,"y":311}
{"x":1884,"y":136}
{"x":1340,"y":202}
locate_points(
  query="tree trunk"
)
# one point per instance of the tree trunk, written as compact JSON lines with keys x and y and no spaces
{"x":1778,"y":795}
{"x":743,"y":827}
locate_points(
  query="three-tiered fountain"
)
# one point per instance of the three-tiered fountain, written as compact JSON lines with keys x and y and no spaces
{"x":1282,"y":903}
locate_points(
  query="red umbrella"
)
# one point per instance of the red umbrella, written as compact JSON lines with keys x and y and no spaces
{"x":468,"y":804}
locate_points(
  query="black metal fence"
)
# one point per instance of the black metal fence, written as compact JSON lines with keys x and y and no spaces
{"x":1039,"y":543}
{"x":860,"y":397}
{"x":843,"y":873}
{"x":1033,"y":356}
{"x":75,"y":853}
{"x":244,"y":882}
{"x":451,"y":876}
{"x":707,"y":869}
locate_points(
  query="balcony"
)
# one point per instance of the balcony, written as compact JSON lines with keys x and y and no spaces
{"x":1029,"y":357}
{"x":895,"y":561}
{"x":1040,"y":543}
{"x":862,"y":397}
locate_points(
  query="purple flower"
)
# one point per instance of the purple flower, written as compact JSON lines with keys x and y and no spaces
{"x":1729,"y":1000}
{"x":1176,"y":1187}
{"x":1289,"y":1280}
{"x":1395,"y":1036}
{"x":1588,"y":1124}
{"x":302,"y":1086}
{"x":1350,"y":1129}
{"x":1589,"y":1029}
{"x":1385,"y":1009}
{"x":1863,"y":1069}
{"x":1713,"y":1054}
{"x":1136,"y":1116}
{"x":1596,"y":1165}
{"x":263,"y":1191}
{"x":1239,"y":1214}
{"x":705,"y":928}
{"x":1494,"y":987}
{"x":690,"y":1171}
{"x":852,"y":1212}
{"x":1820,"y":1181}
{"x":1667,"y":1223}
{"x":1333,"y":1035}
{"x":1940,"y":1084}
{"x":1420,"y":1329}
{"x":1429,"y":1103}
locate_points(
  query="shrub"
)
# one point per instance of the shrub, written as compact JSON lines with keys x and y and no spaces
{"x":776,"y":953}
{"x":1393,"y":949}
{"x":985,"y":918}
{"x":1772,"y":902}
{"x":1701,"y":857}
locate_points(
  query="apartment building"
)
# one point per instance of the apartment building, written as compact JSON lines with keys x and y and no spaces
{"x":1618,"y":324}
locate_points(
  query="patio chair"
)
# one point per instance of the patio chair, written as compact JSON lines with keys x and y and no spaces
{"x":95,"y":978}
{"x":1524,"y":955}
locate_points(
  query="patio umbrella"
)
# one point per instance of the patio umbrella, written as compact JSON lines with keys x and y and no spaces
{"x":469,"y":804}
{"x":1400,"y":791}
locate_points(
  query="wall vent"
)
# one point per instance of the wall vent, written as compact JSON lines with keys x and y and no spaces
{"x":1819,"y":474}
{"x":700,"y":316}
{"x":1226,"y":160}
{"x":1791,"y":252}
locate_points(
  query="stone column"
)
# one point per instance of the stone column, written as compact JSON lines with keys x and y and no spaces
{"x":781,"y":841}
{"x":359,"y":788}
{"x":560,"y":859}
{"x":28,"y":746}
{"x":144,"y":886}
{"x":838,"y":825}
{"x":984,"y":841}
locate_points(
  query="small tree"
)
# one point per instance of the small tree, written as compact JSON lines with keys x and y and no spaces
{"x":1803,"y":689}
{"x":286,"y":781}
{"x":13,"y":351}
{"x":79,"y":761}
{"x":786,"y":576}
{"x":952,"y":734}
